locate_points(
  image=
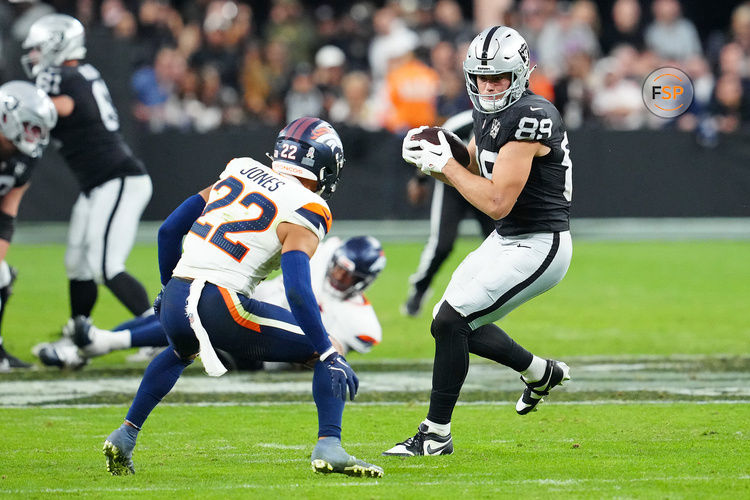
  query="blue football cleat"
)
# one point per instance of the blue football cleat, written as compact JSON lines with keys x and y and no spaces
{"x":329,"y":456}
{"x":118,"y":449}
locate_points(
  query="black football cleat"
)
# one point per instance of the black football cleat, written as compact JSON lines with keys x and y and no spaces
{"x":9,"y":362}
{"x":422,"y":443}
{"x":555,"y":374}
{"x":414,"y":302}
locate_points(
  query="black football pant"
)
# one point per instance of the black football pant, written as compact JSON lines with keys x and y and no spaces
{"x":454,"y":340}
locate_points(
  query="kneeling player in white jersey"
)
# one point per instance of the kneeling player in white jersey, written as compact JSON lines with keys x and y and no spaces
{"x":257,"y":219}
{"x":340,"y":270}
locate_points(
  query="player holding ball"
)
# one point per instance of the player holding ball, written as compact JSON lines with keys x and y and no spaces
{"x":519,"y":173}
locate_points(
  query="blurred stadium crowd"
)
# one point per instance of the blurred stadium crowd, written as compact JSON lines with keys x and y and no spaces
{"x":204,"y":64}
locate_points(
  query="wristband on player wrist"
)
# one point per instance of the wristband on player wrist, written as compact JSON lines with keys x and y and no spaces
{"x":329,"y":352}
{"x":7,"y":226}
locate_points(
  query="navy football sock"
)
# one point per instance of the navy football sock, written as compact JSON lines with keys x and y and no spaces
{"x":161,"y":375}
{"x":148,"y":334}
{"x":330,"y":408}
{"x":132,"y":323}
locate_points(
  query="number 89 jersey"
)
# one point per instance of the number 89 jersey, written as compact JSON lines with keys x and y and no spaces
{"x":233,"y":244}
{"x":544,"y":202}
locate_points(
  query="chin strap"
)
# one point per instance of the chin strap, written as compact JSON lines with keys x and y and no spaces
{"x":528,"y":75}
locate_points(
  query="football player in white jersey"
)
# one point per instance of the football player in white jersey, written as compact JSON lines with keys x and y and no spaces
{"x":257,"y":219}
{"x":340,"y":270}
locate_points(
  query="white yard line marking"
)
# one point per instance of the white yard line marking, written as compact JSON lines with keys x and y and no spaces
{"x":493,"y":481}
{"x":668,"y":376}
{"x":599,"y":402}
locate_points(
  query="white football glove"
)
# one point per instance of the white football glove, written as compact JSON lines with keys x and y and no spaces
{"x":410,"y":149}
{"x":434,"y":156}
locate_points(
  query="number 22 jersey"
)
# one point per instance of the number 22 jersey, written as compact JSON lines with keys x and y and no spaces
{"x":233,"y":244}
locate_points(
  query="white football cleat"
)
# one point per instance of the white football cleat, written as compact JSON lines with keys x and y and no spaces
{"x":62,"y":354}
{"x":91,"y":341}
{"x":144,"y":354}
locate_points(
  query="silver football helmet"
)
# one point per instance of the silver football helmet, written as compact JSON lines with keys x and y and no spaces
{"x":27,"y":115}
{"x":495,"y":51}
{"x":52,"y":40}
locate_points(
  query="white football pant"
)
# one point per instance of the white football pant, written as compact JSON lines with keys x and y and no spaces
{"x":103,"y":227}
{"x":504,"y":272}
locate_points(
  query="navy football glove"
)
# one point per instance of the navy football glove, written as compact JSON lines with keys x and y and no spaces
{"x":342,"y":376}
{"x":157,"y":302}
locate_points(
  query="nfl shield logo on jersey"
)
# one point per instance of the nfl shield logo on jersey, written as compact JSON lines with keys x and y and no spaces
{"x":495,"y":128}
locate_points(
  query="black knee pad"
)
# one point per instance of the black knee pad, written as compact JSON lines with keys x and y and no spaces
{"x":449,"y":321}
{"x":185,"y":344}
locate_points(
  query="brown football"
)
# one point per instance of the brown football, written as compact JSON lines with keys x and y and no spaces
{"x":458,"y":148}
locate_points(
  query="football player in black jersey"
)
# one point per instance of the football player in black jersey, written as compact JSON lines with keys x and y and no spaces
{"x":26,"y":117}
{"x":447,"y":210}
{"x":520,"y":175}
{"x":115,"y":187}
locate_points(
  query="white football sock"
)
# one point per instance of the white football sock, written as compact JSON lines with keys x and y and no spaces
{"x":105,"y":341}
{"x":119,"y":340}
{"x":439,"y":429}
{"x":536,"y":369}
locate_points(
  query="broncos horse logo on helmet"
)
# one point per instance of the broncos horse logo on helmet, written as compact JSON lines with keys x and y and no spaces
{"x":310,"y":148}
{"x":355,"y":265}
{"x":52,"y":40}
{"x":27,"y":115}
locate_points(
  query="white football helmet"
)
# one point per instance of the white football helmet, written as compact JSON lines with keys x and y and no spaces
{"x":27,"y":115}
{"x":495,"y":51}
{"x":52,"y":40}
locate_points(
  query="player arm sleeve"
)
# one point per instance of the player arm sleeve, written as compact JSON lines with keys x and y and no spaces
{"x":7,"y":226}
{"x":171,"y":232}
{"x":295,"y":268}
{"x":9,"y":204}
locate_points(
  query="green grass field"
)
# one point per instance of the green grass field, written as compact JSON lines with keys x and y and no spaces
{"x":618,"y":298}
{"x":620,"y":301}
{"x":673,"y":451}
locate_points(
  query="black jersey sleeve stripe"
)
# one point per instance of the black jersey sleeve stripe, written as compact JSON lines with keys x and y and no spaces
{"x":522,"y":285}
